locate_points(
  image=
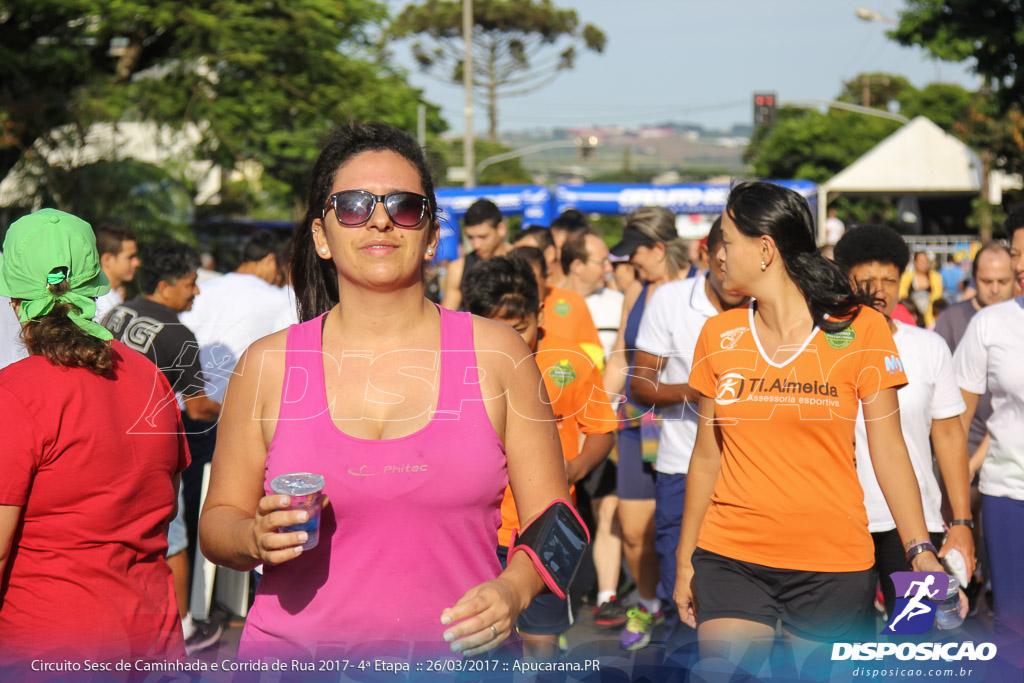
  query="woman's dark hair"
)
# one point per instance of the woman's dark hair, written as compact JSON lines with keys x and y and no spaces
{"x":58,"y":339}
{"x":165,"y":261}
{"x":763,"y":209}
{"x":315,"y":279}
{"x":539,"y":233}
{"x":502,"y":287}
{"x":572,"y":221}
{"x":869,"y":243}
{"x":533,"y":256}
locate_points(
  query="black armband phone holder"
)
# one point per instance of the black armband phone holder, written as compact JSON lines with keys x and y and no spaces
{"x":555,"y":542}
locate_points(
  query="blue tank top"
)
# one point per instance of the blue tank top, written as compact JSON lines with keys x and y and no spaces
{"x":636,"y":314}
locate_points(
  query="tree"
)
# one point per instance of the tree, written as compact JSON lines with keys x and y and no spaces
{"x":806,"y":144}
{"x":263,"y":81}
{"x":518,"y":45}
{"x":989,"y":32}
{"x":877,"y":90}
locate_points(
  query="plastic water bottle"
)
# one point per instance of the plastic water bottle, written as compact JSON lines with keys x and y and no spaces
{"x":947,"y":613}
{"x":954,"y":565}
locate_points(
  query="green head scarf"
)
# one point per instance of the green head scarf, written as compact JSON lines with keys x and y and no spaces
{"x":45,"y":248}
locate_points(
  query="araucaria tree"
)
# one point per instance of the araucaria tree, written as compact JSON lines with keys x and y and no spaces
{"x":519,"y":46}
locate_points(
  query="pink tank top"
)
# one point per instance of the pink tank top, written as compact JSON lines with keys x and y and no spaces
{"x":412,"y":523}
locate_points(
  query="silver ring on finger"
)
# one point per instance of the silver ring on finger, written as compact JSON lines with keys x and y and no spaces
{"x":494,"y":631}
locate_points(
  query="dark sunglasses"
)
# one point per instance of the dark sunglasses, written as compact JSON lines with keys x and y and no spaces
{"x":354,"y":207}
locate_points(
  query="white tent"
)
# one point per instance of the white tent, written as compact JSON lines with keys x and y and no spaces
{"x":919,"y":158}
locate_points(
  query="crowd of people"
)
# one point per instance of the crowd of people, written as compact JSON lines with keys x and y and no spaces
{"x":754,"y":434}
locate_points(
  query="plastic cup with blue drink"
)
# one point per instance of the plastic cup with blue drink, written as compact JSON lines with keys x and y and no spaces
{"x":304,"y":489}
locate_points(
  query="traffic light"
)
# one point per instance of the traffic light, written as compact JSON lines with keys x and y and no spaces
{"x":764,"y":109}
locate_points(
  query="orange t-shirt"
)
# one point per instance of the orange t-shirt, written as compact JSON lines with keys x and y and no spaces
{"x":566,"y":315}
{"x":787,"y":495}
{"x":578,"y":400}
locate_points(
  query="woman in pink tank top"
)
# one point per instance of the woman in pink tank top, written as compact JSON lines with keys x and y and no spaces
{"x":416,"y":417}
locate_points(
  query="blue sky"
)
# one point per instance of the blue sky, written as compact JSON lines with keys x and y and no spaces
{"x":700,"y":61}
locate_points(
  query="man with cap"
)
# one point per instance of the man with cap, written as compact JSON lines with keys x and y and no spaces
{"x":92,"y":455}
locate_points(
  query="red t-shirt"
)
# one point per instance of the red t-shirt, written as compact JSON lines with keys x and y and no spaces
{"x":90,"y":461}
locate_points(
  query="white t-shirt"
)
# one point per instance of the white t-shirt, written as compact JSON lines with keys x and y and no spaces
{"x":12,"y":349}
{"x":106,"y":302}
{"x":991,"y":356}
{"x":606,"y":309}
{"x":931,"y":393}
{"x":672,"y":321}
{"x":834,"y":229}
{"x":230,"y":313}
{"x":290,"y":315}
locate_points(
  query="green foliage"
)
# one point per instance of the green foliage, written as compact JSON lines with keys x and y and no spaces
{"x":808,"y":145}
{"x":988,"y":32}
{"x":518,"y":45}
{"x":144,"y":197}
{"x":877,"y":90}
{"x":265,"y":81}
{"x":945,"y":104}
{"x":510,"y":172}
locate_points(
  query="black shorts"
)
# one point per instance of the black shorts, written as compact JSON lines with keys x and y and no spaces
{"x":818,"y":606}
{"x":600,"y":481}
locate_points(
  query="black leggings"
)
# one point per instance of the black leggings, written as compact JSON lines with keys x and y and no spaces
{"x":891,"y":557}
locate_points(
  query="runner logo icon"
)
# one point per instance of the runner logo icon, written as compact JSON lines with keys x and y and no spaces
{"x":730,"y":388}
{"x":914,"y":613}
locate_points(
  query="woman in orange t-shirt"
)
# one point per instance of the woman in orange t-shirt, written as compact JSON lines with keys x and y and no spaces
{"x":774,"y":526}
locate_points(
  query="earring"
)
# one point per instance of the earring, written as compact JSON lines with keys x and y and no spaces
{"x":323,"y":250}
{"x":764,"y":266}
{"x":430,"y":251}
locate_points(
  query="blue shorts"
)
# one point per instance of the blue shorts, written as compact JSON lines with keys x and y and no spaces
{"x":635,"y":477}
{"x":546,"y":615}
{"x":177,"y":534}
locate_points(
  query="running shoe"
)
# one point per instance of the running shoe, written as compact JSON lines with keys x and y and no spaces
{"x":639,"y":625}
{"x":207,"y":632}
{"x":880,"y":602}
{"x":610,"y":613}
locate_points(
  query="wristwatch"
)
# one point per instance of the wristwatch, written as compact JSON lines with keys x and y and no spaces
{"x":969,"y":523}
{"x":918,"y":548}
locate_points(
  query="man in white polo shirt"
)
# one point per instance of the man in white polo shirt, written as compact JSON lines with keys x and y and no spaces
{"x":989,"y":359}
{"x":668,"y":334}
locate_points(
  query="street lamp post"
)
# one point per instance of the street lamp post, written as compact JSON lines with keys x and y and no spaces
{"x":586,"y":143}
{"x":468,"y":153}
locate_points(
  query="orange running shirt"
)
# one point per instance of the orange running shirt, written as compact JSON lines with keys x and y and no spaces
{"x":787,"y":495}
{"x":566,"y":315}
{"x":578,"y":400}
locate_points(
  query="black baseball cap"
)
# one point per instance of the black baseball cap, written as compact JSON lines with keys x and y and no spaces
{"x":631,"y":239}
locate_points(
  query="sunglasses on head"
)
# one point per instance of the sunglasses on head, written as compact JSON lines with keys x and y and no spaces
{"x":354,"y":207}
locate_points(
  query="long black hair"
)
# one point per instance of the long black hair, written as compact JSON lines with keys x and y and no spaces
{"x":315,"y":279}
{"x":503,"y":287}
{"x":763,"y":209}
